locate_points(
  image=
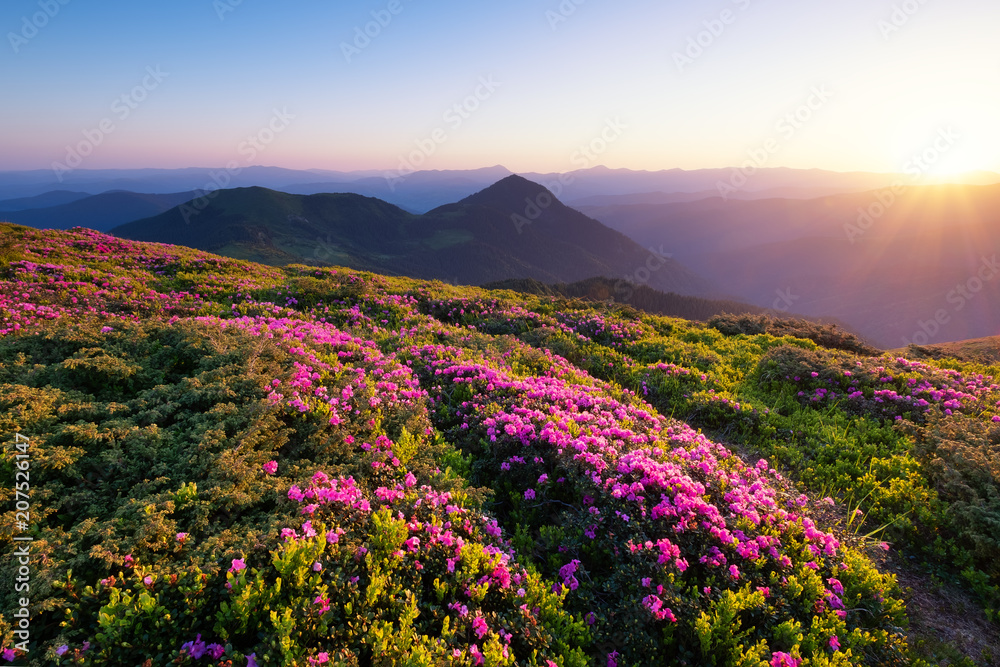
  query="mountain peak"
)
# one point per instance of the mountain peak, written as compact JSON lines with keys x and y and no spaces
{"x":514,"y":193}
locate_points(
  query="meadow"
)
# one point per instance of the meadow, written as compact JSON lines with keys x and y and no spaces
{"x":237,"y":464}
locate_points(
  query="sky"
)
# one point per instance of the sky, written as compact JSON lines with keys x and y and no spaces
{"x":534,"y":85}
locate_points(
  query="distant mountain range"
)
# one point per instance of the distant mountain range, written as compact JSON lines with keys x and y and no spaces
{"x":911,"y":266}
{"x":422,"y":191}
{"x":54,"y":198}
{"x":100,"y":212}
{"x":512,"y":229}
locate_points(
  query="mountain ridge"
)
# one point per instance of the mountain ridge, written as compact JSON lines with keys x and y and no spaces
{"x":477,"y":239}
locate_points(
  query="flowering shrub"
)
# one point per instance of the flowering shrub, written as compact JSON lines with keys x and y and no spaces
{"x":635,"y":513}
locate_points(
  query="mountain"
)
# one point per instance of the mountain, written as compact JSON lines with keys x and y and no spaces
{"x":420,"y":191}
{"x":44,"y":200}
{"x":417,"y":192}
{"x":161,"y":181}
{"x":897,"y":267}
{"x":512,"y":229}
{"x":100,"y":212}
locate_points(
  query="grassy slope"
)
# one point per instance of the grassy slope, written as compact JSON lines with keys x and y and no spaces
{"x":147,"y":421}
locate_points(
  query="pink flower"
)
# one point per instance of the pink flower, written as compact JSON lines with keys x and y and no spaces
{"x":479,"y":626}
{"x":529,"y":494}
{"x":181,"y":537}
{"x":270,"y":467}
{"x":252,"y":660}
{"x":780,"y":659}
{"x":59,"y":651}
{"x":216,"y":651}
{"x":196,"y":648}
{"x":317,"y":566}
{"x":410,"y":480}
{"x":320,"y":659}
{"x":148,"y":580}
{"x":238,"y":564}
{"x":834,"y":643}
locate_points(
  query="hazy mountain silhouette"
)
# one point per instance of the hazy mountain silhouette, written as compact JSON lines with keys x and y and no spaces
{"x":417,"y":192}
{"x":652,"y":198}
{"x":44,"y":200}
{"x":886,"y":264}
{"x":492,"y":235}
{"x":601,"y":180}
{"x":423,"y":190}
{"x":100,"y":212}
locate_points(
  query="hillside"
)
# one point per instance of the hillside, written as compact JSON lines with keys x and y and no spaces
{"x":884,"y":276}
{"x":303,"y":465}
{"x":473,"y":241}
{"x":643,"y":297}
{"x":984,"y":351}
{"x":720,"y":313}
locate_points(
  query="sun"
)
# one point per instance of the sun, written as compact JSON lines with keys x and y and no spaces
{"x":956,"y":161}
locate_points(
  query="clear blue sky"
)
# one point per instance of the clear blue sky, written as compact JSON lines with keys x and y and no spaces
{"x":559,"y":83}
